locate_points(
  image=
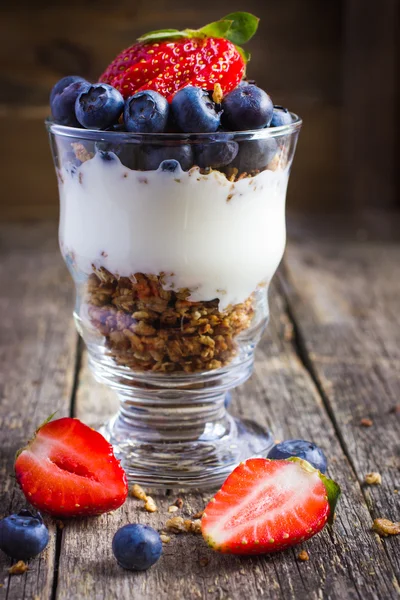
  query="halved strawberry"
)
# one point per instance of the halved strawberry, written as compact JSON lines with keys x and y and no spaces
{"x":266,"y":505}
{"x":168,"y":60}
{"x":70,"y":470}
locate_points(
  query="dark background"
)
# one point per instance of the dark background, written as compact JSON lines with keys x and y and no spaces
{"x":336,"y":63}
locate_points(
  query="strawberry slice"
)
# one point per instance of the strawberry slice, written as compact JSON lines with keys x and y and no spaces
{"x":69,"y":470}
{"x":267,"y":505}
{"x":168,"y":60}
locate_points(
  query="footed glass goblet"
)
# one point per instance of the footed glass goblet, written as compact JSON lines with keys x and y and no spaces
{"x":172,"y":241}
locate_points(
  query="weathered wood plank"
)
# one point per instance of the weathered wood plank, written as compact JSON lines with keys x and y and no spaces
{"x":37,"y":346}
{"x":345,"y":301}
{"x":345,"y":563}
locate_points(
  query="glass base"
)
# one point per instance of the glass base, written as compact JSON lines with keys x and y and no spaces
{"x":201,"y":463}
{"x":175,"y":431}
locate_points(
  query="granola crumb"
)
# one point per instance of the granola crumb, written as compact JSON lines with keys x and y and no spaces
{"x":203,"y":562}
{"x":19,"y":568}
{"x":385,"y":527}
{"x":366,"y":422}
{"x":303,"y":555}
{"x":196,"y":526}
{"x":59,"y":524}
{"x":217,"y":93}
{"x":187,"y":524}
{"x":173,"y":508}
{"x":138,"y":492}
{"x":395,"y":409}
{"x":373,"y":478}
{"x":232,"y":174}
{"x":179,"y":502}
{"x":80,"y":152}
{"x":165,"y":538}
{"x":198,"y":515}
{"x":175,"y":524}
{"x":150,"y":505}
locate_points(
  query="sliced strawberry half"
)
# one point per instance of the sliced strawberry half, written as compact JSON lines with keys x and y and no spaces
{"x":70,"y":470}
{"x":168,"y":60}
{"x":267,"y":505}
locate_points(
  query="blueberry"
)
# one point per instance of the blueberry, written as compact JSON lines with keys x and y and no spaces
{"x":63,"y":104}
{"x":302,"y":449}
{"x":127,"y":153}
{"x":99,"y":106}
{"x":246,"y":107}
{"x":146,"y":112}
{"x":151,"y":156}
{"x":136,"y":547}
{"x":254,"y":155}
{"x":280,"y":116}
{"x":23,"y":535}
{"x":169,"y":166}
{"x":194,"y":111}
{"x":62,"y":84}
{"x":215,"y":154}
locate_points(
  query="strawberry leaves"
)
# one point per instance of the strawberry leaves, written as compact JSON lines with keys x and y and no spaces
{"x":237,"y":27}
{"x":333,"y":492}
{"x":161,"y":35}
{"x":243,"y":26}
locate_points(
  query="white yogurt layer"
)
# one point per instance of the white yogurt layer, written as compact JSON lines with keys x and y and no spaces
{"x":219,"y":239}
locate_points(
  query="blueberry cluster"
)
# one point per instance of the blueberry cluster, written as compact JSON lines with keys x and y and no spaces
{"x":75,"y":102}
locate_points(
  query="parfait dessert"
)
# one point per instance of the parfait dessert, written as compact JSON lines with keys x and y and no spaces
{"x":172,"y":173}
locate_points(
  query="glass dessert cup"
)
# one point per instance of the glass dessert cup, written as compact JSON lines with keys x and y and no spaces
{"x":172,"y":263}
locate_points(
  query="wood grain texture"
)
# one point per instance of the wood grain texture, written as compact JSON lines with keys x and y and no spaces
{"x":37,"y":345}
{"x":345,"y":302}
{"x":346,"y":562}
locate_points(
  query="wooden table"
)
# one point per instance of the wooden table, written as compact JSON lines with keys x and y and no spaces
{"x":330,"y":358}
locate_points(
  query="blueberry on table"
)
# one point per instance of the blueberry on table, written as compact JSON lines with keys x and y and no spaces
{"x":302,"y":449}
{"x":99,"y":106}
{"x":136,"y":547}
{"x":215,"y":154}
{"x":246,"y":107}
{"x":23,"y":535}
{"x":194,"y":111}
{"x":63,"y":83}
{"x":151,"y":156}
{"x":280,"y":116}
{"x":146,"y":112}
{"x":63,"y":103}
{"x":254,"y":155}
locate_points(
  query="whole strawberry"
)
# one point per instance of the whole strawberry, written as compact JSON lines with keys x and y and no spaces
{"x":169,"y":60}
{"x":69,"y":470}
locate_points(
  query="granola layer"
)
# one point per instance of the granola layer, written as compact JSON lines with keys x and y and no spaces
{"x":148,"y":328}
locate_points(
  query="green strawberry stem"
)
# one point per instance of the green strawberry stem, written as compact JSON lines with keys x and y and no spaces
{"x":238,"y":28}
